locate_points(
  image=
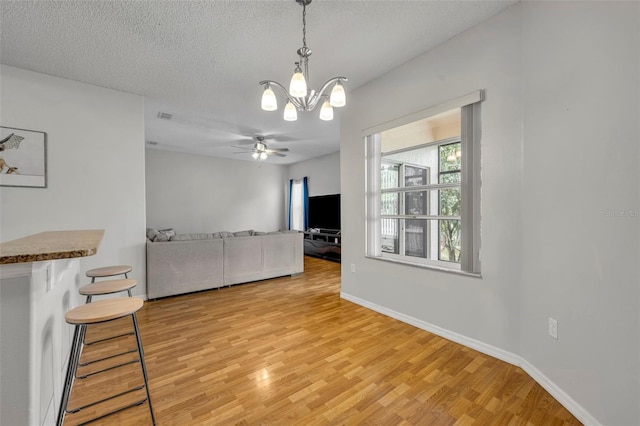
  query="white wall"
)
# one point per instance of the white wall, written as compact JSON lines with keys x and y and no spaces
{"x":489,"y":305}
{"x":580,"y":262}
{"x":95,"y":165}
{"x":559,"y":133}
{"x":191,"y":193}
{"x":323,"y":173}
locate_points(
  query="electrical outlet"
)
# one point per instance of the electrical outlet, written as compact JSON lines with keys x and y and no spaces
{"x":353,"y":267}
{"x":553,"y":328}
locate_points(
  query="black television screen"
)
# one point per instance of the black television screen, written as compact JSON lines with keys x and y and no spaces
{"x":324,"y":211}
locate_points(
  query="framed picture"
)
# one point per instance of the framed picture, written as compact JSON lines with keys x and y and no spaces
{"x":23,"y":158}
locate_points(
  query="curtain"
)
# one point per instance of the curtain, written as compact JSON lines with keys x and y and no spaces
{"x":299,"y":204}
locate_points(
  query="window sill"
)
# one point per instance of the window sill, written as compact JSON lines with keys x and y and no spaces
{"x":423,"y":266}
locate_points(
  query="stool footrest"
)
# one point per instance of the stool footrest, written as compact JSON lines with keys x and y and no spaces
{"x":93,"y":373}
{"x":133,"y":404}
{"x":108,"y":338}
{"x":84,"y":364}
{"x":137,"y":388}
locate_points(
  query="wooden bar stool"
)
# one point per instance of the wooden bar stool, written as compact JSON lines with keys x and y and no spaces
{"x":107,"y":287}
{"x":108,"y":271}
{"x":95,"y":313}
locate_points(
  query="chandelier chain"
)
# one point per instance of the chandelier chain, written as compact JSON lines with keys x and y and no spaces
{"x":304,"y":24}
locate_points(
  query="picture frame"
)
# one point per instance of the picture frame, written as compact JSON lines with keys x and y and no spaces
{"x":23,"y":158}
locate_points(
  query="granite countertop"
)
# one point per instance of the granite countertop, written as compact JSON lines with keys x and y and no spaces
{"x":51,"y":245}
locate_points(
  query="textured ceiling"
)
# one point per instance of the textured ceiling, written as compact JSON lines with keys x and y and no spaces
{"x":202,"y":60}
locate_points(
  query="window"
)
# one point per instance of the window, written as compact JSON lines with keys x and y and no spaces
{"x":423,"y":187}
{"x":299,"y":204}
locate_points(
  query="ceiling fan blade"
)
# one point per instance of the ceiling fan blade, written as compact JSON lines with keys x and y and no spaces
{"x":278,"y":149}
{"x":279,"y":138}
{"x":277,"y":154}
{"x":242,"y":147}
{"x":242,"y":152}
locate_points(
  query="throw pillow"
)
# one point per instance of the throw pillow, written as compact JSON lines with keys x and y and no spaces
{"x":152,"y":234}
{"x":165,"y":234}
{"x":248,"y":233}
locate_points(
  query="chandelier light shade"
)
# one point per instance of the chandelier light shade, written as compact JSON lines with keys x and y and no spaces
{"x":299,"y":96}
{"x":290,"y":113}
{"x":326,"y":112}
{"x":269,"y":100}
{"x":298,"y":85}
{"x":338,"y":97}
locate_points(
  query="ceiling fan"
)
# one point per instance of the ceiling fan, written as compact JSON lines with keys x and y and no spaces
{"x":259,"y":151}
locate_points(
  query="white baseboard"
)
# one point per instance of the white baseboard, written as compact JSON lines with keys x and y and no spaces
{"x":561,"y":396}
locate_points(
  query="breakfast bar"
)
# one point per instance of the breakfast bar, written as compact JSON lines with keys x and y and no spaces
{"x":39,"y":281}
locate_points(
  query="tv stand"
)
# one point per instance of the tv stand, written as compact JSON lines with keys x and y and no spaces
{"x":323,"y":243}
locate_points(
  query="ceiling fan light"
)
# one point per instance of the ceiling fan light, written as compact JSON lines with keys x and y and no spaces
{"x":338,"y":97}
{"x":298,"y":85}
{"x":263,"y":155}
{"x":269,"y":100}
{"x":326,"y":113}
{"x":255,"y":155}
{"x":290,"y":113}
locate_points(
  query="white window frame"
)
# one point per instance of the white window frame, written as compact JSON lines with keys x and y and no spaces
{"x":470,"y":186}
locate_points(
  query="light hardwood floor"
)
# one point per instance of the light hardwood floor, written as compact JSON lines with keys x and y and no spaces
{"x":290,"y":351}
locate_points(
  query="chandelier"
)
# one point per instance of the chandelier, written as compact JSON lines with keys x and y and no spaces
{"x":299,"y":96}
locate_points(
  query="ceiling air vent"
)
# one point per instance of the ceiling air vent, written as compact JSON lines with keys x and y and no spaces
{"x":165,"y":116}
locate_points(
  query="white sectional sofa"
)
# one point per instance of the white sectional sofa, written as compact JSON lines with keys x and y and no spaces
{"x":183,"y":265}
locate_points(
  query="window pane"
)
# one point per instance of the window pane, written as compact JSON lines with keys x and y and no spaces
{"x":450,"y":157}
{"x":450,"y":200}
{"x":450,"y":177}
{"x":390,"y":203}
{"x":415,"y":176}
{"x":389,"y":175}
{"x":389,"y":238}
{"x":389,"y":227}
{"x":415,"y":203}
{"x":416,"y":238}
{"x":449,"y":240}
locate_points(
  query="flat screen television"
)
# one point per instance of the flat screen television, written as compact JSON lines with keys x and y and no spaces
{"x":324,"y":211}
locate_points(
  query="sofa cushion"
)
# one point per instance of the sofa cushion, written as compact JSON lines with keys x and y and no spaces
{"x":226,"y":234}
{"x":248,"y":233}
